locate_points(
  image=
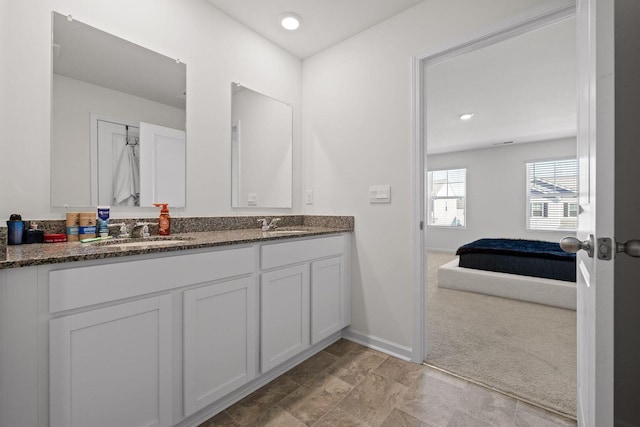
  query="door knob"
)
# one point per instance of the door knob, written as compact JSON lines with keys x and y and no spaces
{"x":630,"y":247}
{"x":573,"y":245}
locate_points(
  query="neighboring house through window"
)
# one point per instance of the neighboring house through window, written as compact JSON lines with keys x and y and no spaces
{"x":447,"y":191}
{"x":552,"y":195}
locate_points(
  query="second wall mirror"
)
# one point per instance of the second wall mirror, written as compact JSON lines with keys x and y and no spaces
{"x":261,"y":150}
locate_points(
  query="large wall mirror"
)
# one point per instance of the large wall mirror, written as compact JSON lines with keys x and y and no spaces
{"x":261,"y":150}
{"x":118,"y":121}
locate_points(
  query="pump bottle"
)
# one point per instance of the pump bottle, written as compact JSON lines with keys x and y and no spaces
{"x":164,"y":222}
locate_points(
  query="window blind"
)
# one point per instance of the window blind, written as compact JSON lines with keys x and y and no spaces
{"x":447,"y":197}
{"x":552,"y":195}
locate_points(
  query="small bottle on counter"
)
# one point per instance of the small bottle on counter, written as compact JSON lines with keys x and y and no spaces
{"x":164,"y":222}
{"x":103,"y":221}
{"x":15,"y":229}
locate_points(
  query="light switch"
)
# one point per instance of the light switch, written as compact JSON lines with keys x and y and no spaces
{"x":380,"y":194}
{"x":309,"y":197}
{"x":252,"y":199}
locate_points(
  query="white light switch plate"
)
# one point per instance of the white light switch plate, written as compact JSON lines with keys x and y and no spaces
{"x":380,"y":194}
{"x":309,"y":197}
{"x":252,"y":199}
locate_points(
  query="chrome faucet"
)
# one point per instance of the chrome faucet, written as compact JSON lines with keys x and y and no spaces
{"x":123,"y":233}
{"x":141,"y":229}
{"x":268,"y":226}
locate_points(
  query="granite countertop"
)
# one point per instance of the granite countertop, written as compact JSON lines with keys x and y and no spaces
{"x":54,"y":253}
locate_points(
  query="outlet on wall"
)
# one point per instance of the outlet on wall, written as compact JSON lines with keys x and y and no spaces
{"x":309,"y":197}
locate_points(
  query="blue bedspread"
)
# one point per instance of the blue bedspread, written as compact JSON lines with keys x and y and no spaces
{"x":532,"y":248}
{"x":523,"y":257}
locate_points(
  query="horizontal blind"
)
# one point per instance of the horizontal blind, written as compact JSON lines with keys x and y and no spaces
{"x":447,"y":197}
{"x":552,"y":195}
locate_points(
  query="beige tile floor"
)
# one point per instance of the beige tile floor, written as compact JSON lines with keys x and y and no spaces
{"x":350,"y":385}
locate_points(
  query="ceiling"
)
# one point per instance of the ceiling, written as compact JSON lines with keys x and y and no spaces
{"x":522,"y":89}
{"x":324,"y":22}
{"x":85,"y":53}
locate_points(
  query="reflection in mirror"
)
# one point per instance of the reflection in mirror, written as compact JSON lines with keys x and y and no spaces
{"x":118,"y":121}
{"x":261,"y":150}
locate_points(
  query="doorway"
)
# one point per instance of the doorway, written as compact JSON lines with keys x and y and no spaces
{"x":519,"y":347}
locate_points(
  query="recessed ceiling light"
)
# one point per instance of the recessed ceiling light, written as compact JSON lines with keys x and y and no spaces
{"x":466,"y":116}
{"x":290,"y":21}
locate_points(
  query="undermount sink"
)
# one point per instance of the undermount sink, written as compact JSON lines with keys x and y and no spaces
{"x":142,"y":243}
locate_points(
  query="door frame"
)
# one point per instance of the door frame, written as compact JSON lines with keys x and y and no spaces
{"x":531,"y":20}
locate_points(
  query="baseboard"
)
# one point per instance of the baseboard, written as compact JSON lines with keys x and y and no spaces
{"x":447,"y":251}
{"x":379,"y":344}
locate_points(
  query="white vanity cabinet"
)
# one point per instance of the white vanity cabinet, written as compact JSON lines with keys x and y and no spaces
{"x":304,"y":298}
{"x":284,"y":315}
{"x":220,"y":334}
{"x":328,"y":293}
{"x":112,"y":366}
{"x":164,"y":339}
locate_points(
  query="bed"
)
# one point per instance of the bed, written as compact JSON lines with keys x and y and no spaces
{"x":526,"y":270}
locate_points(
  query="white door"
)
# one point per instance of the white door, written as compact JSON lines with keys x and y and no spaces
{"x":162,"y":165}
{"x":112,"y":140}
{"x":595,"y":276}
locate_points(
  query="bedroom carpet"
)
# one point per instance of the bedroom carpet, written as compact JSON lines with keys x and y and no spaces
{"x":524,"y":349}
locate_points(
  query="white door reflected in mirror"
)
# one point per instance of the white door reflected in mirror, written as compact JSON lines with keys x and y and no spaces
{"x":261,"y":150}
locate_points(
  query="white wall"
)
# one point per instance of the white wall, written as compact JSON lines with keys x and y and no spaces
{"x":217,"y":51}
{"x":357,"y":133}
{"x":496,"y":183}
{"x":73,"y":101}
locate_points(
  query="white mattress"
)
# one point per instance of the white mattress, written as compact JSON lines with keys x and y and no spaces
{"x":557,"y":293}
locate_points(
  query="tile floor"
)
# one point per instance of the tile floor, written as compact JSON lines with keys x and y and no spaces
{"x":347,"y":384}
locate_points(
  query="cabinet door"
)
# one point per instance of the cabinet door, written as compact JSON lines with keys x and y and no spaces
{"x":327,"y":289}
{"x":284,"y":315}
{"x":219,"y":340}
{"x":112,"y":366}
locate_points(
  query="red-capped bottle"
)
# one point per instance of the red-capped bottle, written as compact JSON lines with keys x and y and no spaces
{"x":164,"y":222}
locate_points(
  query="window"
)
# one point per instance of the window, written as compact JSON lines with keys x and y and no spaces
{"x":570,"y":210}
{"x":447,"y":197}
{"x":552,"y":195}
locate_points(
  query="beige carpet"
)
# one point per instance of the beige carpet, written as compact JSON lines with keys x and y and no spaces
{"x":525,"y":349}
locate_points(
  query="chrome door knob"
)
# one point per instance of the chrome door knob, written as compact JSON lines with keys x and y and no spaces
{"x":573,"y":245}
{"x":631,"y":248}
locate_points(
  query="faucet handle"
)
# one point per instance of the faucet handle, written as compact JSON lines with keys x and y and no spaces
{"x":274,"y":223}
{"x":265,"y":225}
{"x":123,"y":233}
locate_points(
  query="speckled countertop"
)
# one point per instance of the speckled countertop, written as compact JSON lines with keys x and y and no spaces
{"x":53,"y":253}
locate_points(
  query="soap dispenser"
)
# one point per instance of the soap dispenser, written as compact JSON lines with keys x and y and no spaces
{"x":164,"y":222}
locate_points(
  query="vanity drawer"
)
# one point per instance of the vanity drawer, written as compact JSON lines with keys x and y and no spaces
{"x":78,"y":287}
{"x":279,"y":254}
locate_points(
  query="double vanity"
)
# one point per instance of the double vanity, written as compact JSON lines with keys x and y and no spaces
{"x":164,"y":332}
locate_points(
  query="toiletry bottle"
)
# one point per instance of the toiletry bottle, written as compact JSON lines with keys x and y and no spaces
{"x":15,"y":229}
{"x":103,"y":221}
{"x":164,"y":223}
